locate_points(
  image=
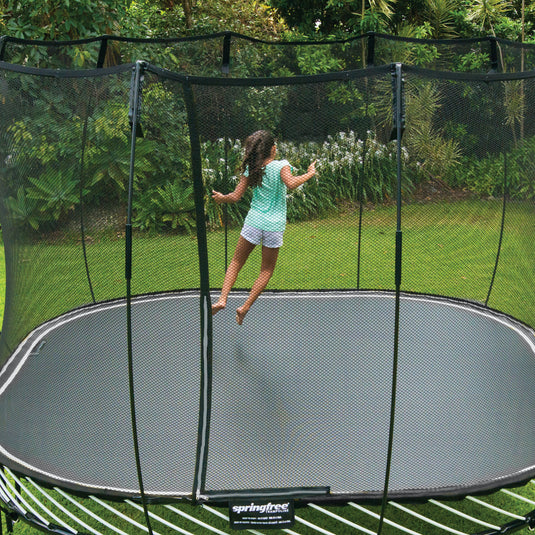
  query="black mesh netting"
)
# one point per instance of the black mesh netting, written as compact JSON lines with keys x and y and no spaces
{"x":228,"y":53}
{"x":298,"y":397}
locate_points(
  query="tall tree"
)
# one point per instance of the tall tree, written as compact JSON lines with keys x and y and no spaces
{"x":186,"y":6}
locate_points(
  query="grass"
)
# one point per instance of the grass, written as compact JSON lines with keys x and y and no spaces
{"x":189,"y":517}
{"x":448,"y":249}
{"x":444,"y":252}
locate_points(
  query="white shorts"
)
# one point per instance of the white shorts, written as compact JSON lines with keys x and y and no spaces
{"x":253,"y":235}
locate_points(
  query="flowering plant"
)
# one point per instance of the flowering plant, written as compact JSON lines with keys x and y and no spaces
{"x":349,"y":169}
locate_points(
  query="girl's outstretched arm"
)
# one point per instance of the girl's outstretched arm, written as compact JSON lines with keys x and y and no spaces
{"x":292,"y":181}
{"x":235,"y":196}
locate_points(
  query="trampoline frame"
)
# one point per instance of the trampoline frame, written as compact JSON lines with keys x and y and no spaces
{"x":22,"y":498}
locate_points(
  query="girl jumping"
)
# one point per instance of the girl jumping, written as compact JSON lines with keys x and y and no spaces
{"x":266,"y":219}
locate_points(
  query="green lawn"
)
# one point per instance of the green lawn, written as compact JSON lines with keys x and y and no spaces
{"x":449,"y":249}
{"x":445,"y":252}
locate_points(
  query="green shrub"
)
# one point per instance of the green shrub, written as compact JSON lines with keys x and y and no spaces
{"x":25,"y":211}
{"x":165,"y":207}
{"x":485,"y":176}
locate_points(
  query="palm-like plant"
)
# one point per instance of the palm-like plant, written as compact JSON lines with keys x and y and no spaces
{"x":169,"y":205}
{"x":24,"y":210}
{"x":175,"y":202}
{"x":439,"y":14}
{"x":427,"y":145}
{"x":486,"y":13}
{"x":57,"y":192}
{"x":384,"y":7}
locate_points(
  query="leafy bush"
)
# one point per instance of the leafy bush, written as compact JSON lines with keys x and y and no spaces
{"x":485,"y":176}
{"x":165,"y":207}
{"x":25,"y":211}
{"x":221,"y":160}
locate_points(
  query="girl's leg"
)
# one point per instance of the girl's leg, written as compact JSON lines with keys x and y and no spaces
{"x":269,"y":260}
{"x":241,"y":254}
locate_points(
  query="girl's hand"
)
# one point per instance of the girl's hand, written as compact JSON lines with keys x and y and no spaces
{"x":218,"y":197}
{"x":312,"y":169}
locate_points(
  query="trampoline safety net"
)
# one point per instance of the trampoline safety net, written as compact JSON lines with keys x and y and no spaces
{"x":412,"y":245}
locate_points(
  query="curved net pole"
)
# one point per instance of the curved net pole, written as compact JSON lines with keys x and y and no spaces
{"x":205,"y":399}
{"x":225,"y":71}
{"x":360,"y":188}
{"x":102,"y":51}
{"x":135,"y":96}
{"x":398,"y":120}
{"x":505,"y":193}
{"x":3,"y":41}
{"x":225,"y":63}
{"x":225,"y":206}
{"x":360,"y":196}
{"x":82,"y":177}
{"x":360,"y":180}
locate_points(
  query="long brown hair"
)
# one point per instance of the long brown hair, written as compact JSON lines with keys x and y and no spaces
{"x":257,"y":150}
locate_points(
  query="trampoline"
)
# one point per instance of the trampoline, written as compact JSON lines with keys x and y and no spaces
{"x":289,"y":412}
{"x":392,"y":356}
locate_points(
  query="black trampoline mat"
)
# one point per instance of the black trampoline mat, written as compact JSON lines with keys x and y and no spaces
{"x":301,"y":396}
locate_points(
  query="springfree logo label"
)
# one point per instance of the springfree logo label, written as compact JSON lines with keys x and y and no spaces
{"x":266,"y":514}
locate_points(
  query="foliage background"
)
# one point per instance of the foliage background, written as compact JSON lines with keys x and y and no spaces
{"x":163,"y":204}
{"x":74,"y":19}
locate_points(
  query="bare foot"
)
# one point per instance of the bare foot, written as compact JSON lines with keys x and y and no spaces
{"x":216,"y":307}
{"x":240,"y":314}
